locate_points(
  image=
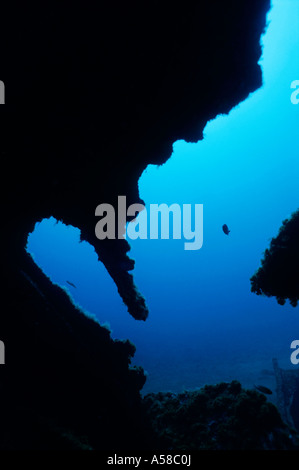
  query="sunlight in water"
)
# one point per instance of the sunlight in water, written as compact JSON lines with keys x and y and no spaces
{"x":204,"y":324}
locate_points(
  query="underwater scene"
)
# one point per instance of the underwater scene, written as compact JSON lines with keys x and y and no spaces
{"x":205,"y":324}
{"x":152,"y":230}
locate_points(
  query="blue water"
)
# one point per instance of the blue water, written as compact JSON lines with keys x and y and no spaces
{"x":205,"y":325}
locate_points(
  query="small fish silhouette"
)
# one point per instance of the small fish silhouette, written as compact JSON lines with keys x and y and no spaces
{"x":263,"y":389}
{"x":71,"y":284}
{"x":225,"y":229}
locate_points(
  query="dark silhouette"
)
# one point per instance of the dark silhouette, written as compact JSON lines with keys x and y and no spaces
{"x":263,"y":389}
{"x":225,"y":229}
{"x":71,"y":284}
{"x":279,"y":273}
{"x":95,"y":92}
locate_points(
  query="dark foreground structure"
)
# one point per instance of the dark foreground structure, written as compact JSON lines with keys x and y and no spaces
{"x":278,"y":275}
{"x":96,"y":91}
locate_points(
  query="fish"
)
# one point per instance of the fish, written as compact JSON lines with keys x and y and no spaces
{"x":263,"y":389}
{"x":225,"y":229}
{"x":71,"y":284}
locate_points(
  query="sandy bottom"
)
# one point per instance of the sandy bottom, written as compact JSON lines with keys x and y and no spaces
{"x":186,"y":373}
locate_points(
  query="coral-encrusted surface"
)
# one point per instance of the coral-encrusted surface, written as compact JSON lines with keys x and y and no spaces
{"x":218,"y":417}
{"x":279,"y":273}
{"x":65,"y":383}
{"x":96,"y":91}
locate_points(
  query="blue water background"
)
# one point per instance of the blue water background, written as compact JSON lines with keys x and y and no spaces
{"x":205,"y":325}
